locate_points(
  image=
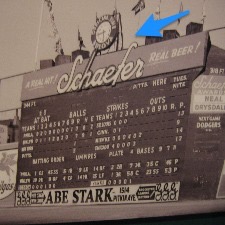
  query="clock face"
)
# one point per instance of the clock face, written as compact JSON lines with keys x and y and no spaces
{"x":104,"y":32}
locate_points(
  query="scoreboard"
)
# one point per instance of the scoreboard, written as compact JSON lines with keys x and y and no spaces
{"x":153,"y":136}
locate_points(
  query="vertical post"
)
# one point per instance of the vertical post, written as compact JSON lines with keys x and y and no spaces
{"x":91,"y":60}
{"x":160,"y":9}
{"x":203,"y":13}
{"x":39,"y":31}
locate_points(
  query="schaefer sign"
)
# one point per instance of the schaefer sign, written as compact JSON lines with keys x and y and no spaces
{"x":110,"y":69}
{"x":208,"y":95}
{"x":157,"y":192}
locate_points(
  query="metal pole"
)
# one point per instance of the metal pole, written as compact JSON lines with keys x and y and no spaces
{"x":39,"y":31}
{"x":7,"y":110}
{"x":215,"y":29}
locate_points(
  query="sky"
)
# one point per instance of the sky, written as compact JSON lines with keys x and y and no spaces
{"x":20,"y":20}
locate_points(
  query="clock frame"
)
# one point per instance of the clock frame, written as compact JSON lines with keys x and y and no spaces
{"x":104,"y":32}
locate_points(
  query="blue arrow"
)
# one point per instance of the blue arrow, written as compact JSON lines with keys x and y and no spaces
{"x":152,"y":27}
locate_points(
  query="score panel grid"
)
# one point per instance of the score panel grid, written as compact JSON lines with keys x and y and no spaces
{"x":129,"y":135}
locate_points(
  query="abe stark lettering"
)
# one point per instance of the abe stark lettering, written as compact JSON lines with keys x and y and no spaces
{"x":103,"y":76}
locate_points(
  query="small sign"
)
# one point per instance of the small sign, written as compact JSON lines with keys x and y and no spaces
{"x":3,"y":134}
{"x":158,"y":192}
{"x":208,"y":94}
{"x":8,"y":171}
{"x":221,"y":188}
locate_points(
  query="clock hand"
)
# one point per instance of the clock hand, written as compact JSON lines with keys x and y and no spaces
{"x":100,"y":33}
{"x":103,"y":34}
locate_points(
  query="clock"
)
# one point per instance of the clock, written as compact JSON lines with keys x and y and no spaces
{"x":104,"y":32}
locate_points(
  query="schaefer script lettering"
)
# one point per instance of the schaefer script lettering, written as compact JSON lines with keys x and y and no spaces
{"x":103,"y":76}
{"x":209,"y":83}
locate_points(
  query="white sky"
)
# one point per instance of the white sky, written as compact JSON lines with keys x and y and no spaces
{"x":19,"y":22}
